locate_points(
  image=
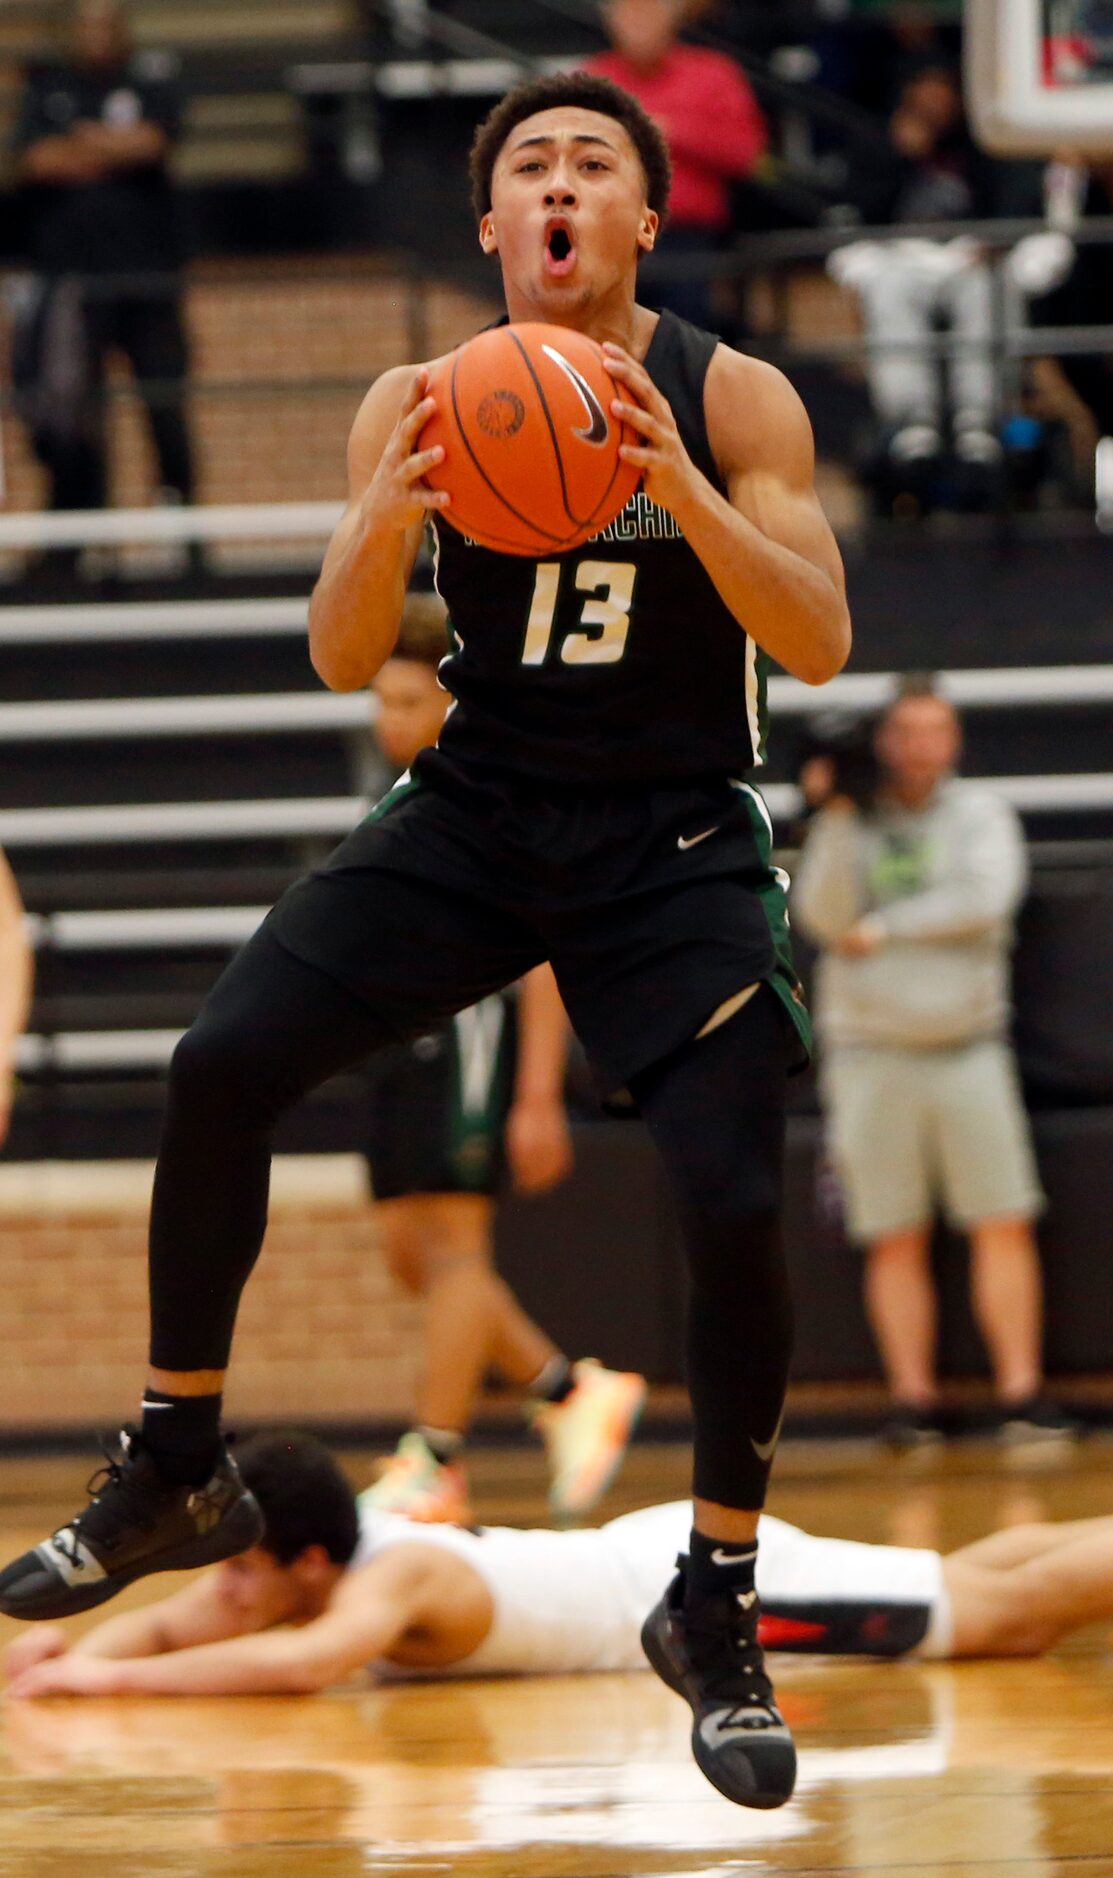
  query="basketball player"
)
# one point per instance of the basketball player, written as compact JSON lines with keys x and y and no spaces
{"x":589,"y":807}
{"x":326,"y":1594}
{"x":444,"y":1112}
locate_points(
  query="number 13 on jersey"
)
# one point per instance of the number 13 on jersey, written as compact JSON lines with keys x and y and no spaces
{"x":599,"y":635}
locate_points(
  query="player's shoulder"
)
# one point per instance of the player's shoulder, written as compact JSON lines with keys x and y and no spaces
{"x":379,"y":412}
{"x":738,"y":375}
{"x":753,"y":406}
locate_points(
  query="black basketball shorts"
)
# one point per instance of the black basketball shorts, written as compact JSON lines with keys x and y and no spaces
{"x":654,"y":906}
{"x":437,"y":1107}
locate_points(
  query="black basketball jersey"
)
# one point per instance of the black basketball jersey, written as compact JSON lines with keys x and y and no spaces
{"x":616,"y":661}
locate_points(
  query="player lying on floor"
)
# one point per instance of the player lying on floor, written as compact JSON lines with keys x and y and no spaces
{"x":331,"y":1591}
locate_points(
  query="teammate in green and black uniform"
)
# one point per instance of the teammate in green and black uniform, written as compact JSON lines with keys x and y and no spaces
{"x":588,"y":803}
{"x":446,"y":1113}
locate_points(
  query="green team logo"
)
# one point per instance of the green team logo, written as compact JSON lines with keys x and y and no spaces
{"x":903,"y":866}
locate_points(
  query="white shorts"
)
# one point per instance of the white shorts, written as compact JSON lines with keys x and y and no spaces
{"x":819,"y":1596}
{"x":911,"y":1130}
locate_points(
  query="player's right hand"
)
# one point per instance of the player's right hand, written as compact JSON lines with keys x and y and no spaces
{"x":396,"y":497}
{"x":35,"y":1645}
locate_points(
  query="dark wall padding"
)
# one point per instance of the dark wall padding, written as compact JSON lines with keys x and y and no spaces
{"x":1063,"y":987}
{"x":599,"y":1261}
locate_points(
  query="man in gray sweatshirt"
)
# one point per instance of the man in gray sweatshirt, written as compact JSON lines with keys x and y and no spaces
{"x":912,"y":904}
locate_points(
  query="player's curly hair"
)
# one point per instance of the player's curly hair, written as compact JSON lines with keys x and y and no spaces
{"x":304,"y":1497}
{"x":592,"y":93}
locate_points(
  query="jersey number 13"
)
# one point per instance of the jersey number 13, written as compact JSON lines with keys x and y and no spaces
{"x":599,"y":635}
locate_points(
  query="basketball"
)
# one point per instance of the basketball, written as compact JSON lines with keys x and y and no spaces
{"x":530,"y":445}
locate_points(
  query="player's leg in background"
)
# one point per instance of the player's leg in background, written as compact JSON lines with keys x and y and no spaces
{"x":1017,"y":1593}
{"x":716,"y":1111}
{"x":439,"y":1248}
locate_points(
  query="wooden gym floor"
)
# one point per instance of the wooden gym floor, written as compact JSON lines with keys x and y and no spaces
{"x":971,"y":1771}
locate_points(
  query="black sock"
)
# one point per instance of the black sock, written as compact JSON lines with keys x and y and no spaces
{"x":718,"y":1565}
{"x":183,"y":1434}
{"x":554,"y":1381}
{"x":444,"y":1444}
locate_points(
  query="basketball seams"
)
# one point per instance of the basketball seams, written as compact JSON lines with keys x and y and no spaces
{"x":531,"y":475}
{"x":495,"y":491}
{"x":540,"y":390}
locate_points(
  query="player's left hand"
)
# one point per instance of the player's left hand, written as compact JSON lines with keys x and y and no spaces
{"x":538,"y":1145}
{"x":72,"y":1674}
{"x":671,"y":479}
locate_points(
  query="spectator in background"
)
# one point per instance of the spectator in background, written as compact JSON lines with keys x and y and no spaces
{"x":715,"y":130}
{"x":1071,"y":283}
{"x":934,"y":173}
{"x":447,"y":1114}
{"x":912,"y":903}
{"x":94,"y":136}
{"x":16,"y":978}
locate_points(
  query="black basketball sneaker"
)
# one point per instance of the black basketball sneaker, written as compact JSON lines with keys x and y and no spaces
{"x":136,"y":1522}
{"x":711,"y":1656}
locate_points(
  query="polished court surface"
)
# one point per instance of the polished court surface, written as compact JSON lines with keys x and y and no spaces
{"x":980,"y":1770}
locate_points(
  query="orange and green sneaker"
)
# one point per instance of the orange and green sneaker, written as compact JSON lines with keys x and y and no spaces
{"x":586,"y":1435}
{"x":414,"y":1483}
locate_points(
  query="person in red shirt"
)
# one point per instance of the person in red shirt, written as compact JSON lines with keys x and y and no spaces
{"x":715,"y":130}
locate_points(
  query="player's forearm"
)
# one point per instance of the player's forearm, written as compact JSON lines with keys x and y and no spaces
{"x":542,"y":1039}
{"x":789,"y":606}
{"x":266,"y":1663}
{"x":356,"y":607}
{"x":130,"y":1634}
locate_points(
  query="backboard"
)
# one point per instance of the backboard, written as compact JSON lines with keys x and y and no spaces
{"x":1039,"y":75}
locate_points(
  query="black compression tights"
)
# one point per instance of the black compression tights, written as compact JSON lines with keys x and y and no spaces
{"x":272,"y":1029}
{"x":716,"y":1112}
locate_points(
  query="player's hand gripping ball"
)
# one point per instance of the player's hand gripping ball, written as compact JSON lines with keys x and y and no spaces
{"x":530,"y":444}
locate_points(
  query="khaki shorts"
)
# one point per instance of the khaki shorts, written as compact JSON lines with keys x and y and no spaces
{"x":911,"y":1131}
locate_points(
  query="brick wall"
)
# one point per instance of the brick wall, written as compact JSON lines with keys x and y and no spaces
{"x":323,"y":1333}
{"x":304,"y":328}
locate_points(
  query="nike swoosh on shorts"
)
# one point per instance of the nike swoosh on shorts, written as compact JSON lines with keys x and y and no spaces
{"x":689,"y":841}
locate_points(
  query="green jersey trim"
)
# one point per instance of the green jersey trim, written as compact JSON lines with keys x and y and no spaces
{"x":772,"y":891}
{"x":406,"y":785}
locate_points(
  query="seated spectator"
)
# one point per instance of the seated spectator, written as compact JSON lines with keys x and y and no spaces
{"x":1068,"y":283}
{"x":94,"y":136}
{"x":934,"y":173}
{"x":715,"y":131}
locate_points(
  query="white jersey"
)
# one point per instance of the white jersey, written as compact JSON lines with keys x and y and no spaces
{"x":566,"y":1602}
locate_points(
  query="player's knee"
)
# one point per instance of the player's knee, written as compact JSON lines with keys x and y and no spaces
{"x":210,"y":1070}
{"x":733,"y":1246}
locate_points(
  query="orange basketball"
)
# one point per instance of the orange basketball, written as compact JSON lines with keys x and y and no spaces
{"x":530,"y":445}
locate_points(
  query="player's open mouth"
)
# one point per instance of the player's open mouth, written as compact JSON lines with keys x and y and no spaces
{"x":560,"y":248}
